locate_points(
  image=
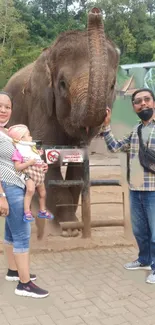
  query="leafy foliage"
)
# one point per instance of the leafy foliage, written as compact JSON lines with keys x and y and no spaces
{"x":28,"y":26}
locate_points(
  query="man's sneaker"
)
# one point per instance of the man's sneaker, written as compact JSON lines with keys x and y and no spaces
{"x":14,"y":276}
{"x":136,"y":265}
{"x":30,"y":290}
{"x":151,"y":278}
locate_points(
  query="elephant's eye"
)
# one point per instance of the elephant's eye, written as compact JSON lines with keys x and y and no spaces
{"x":62,"y":84}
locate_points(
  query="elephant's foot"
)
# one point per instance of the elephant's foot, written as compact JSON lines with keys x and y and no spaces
{"x":70,"y":233}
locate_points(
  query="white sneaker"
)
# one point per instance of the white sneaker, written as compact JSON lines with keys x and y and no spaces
{"x":151,"y":278}
{"x":136,"y":265}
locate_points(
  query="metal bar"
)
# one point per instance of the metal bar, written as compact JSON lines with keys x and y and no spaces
{"x":104,"y":165}
{"x":107,"y":182}
{"x":92,"y":203}
{"x":65,"y":183}
{"x":94,"y":224}
{"x":85,"y":197}
{"x":46,"y":146}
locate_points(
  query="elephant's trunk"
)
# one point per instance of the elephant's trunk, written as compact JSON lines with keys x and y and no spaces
{"x":98,"y":70}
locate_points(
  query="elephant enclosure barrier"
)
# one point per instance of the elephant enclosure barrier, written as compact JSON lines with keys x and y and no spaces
{"x":86,"y":224}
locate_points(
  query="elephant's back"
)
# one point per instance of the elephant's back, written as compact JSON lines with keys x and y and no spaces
{"x":19,"y":80}
{"x":16,"y":86}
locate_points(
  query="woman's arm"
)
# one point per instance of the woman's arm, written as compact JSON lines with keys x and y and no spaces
{"x":4,"y":207}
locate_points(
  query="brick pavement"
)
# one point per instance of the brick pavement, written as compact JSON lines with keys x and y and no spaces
{"x":87,"y":287}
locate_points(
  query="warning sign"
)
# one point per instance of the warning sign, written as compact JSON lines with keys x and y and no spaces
{"x":76,"y":157}
{"x":52,"y":156}
{"x":64,"y":156}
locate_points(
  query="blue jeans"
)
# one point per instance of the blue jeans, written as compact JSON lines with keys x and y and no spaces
{"x":142,"y":204}
{"x":17,"y":232}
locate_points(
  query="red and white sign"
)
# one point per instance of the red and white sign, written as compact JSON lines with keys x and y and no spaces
{"x":52,"y":156}
{"x":64,"y":155}
{"x":75,"y":157}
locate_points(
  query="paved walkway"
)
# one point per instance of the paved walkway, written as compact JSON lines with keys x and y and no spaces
{"x":87,"y":287}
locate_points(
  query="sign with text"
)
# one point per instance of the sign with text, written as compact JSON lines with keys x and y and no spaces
{"x":64,"y":156}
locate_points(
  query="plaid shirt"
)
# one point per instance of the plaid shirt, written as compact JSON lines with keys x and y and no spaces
{"x":130,"y":144}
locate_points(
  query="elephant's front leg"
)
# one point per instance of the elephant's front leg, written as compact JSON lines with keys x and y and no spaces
{"x":75,"y":172}
{"x":59,"y":199}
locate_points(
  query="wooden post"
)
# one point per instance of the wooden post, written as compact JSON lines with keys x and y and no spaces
{"x":126,"y":203}
{"x":85,"y":197}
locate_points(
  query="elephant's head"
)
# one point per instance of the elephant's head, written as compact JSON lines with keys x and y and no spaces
{"x":76,"y":78}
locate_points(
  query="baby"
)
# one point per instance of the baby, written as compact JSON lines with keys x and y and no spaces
{"x":28,"y":160}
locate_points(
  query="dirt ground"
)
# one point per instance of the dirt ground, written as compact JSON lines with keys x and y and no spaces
{"x":106,"y":204}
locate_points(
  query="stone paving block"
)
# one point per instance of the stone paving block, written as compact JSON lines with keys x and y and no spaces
{"x":91,"y":320}
{"x":80,"y":303}
{"x":85,"y":295}
{"x":132,"y":318}
{"x":71,"y":289}
{"x":105,"y":297}
{"x":45,"y":320}
{"x":55,"y":314}
{"x":138,"y":302}
{"x":140,"y":295}
{"x":150,"y":311}
{"x":66,"y":296}
{"x":149,"y":320}
{"x":70,"y":321}
{"x":24,"y":321}
{"x":31,"y":312}
{"x":60,"y":304}
{"x":94,"y":311}
{"x":10,"y":313}
{"x":99,"y":303}
{"x":115,"y":311}
{"x":109,"y":290}
{"x":75,"y":312}
{"x":135,"y":310}
{"x":128,"y":288}
{"x":119,"y":302}
{"x":117,"y":320}
{"x":3,"y":320}
{"x":112,"y":284}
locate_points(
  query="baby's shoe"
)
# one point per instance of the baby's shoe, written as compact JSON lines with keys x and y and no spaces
{"x":28,"y":217}
{"x":45,"y":215}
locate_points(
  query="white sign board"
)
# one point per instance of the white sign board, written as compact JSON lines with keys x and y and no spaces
{"x":64,"y":155}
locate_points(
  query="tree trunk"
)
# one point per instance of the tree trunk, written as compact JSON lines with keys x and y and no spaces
{"x":5,"y":23}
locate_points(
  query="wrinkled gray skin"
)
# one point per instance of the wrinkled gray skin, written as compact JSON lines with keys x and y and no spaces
{"x":62,"y":98}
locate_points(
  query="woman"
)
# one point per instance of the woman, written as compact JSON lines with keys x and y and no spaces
{"x":17,"y":232}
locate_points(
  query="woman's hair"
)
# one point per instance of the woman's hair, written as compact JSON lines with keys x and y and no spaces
{"x":7,"y":94}
{"x":16,"y":132}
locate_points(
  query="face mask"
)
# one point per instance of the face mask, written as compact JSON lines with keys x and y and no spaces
{"x":146,"y":114}
{"x":3,"y":124}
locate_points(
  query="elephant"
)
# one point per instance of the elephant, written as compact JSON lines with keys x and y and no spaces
{"x":62,"y":97}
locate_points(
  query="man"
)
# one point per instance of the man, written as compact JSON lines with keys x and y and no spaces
{"x":141,"y":182}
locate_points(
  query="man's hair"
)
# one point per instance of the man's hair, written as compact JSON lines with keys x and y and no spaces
{"x":140,"y":90}
{"x":7,"y":94}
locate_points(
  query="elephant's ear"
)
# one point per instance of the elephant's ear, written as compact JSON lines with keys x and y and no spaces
{"x":39,"y":85}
